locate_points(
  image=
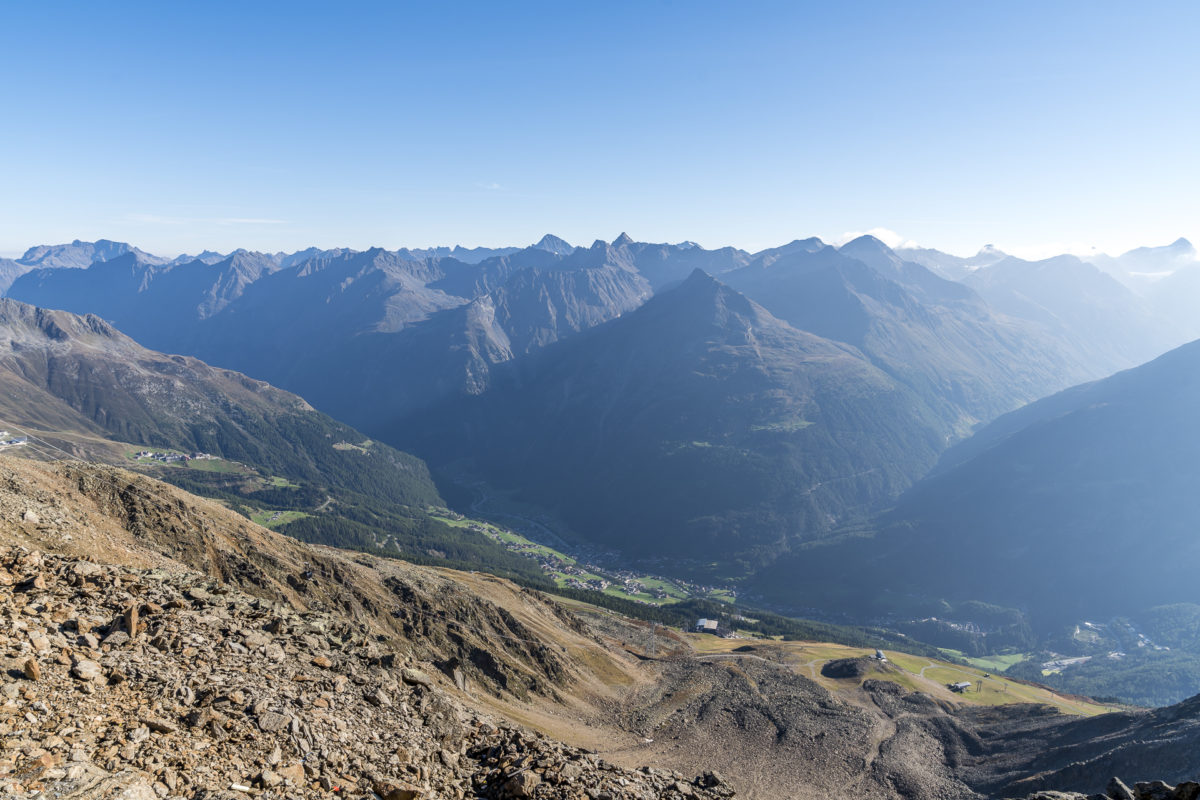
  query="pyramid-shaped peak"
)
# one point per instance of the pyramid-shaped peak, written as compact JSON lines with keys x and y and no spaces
{"x":872,"y":252}
{"x":553,"y":244}
{"x":700,"y":285}
{"x":700,"y":278}
{"x":622,"y":240}
{"x":705,"y":300}
{"x":864,"y":243}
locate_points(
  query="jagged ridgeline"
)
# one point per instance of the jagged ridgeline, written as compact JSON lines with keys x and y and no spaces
{"x":603,"y":384}
{"x":690,"y":417}
{"x":87,"y":387}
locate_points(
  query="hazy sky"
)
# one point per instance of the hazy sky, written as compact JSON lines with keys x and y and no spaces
{"x":270,"y":126}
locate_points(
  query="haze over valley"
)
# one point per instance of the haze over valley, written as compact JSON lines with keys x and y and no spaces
{"x":623,"y":401}
{"x":818,"y":430}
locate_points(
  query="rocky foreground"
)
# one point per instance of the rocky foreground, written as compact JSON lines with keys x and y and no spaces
{"x":156,"y":644}
{"x":1118,"y":790}
{"x":132,"y":684}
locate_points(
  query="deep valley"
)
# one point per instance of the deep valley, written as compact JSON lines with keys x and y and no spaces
{"x":871,"y":469}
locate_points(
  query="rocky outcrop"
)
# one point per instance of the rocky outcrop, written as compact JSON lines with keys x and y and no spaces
{"x":852,"y":667}
{"x":206,"y":653}
{"x":1118,"y":790}
{"x":83,"y":509}
{"x":147,"y":683}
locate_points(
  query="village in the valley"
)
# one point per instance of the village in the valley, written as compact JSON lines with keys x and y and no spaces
{"x":585,"y":573}
{"x":172,"y":457}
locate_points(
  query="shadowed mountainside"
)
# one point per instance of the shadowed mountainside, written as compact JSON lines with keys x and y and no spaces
{"x":1092,"y":487}
{"x":697,"y":424}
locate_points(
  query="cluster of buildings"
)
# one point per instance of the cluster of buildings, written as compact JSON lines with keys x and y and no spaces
{"x":1144,"y":641}
{"x":965,"y":627}
{"x":577,"y":579}
{"x":1059,"y":664}
{"x":586,"y":576}
{"x":8,"y":440}
{"x":171,"y":458}
{"x":592,"y":584}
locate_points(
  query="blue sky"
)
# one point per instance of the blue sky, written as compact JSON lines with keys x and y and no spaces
{"x":272,"y":126}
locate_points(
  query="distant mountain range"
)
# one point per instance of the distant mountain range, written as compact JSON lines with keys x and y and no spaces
{"x":799,"y":418}
{"x":956,"y":347}
{"x":939,"y":337}
{"x":482,"y":354}
{"x":1161,"y":281}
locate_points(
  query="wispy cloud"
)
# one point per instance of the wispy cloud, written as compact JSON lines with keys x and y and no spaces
{"x":491,"y":187}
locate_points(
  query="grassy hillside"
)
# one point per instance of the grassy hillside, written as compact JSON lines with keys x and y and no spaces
{"x":915,"y":673}
{"x":76,"y":379}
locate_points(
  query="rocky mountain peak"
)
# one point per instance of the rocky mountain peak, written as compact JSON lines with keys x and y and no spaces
{"x":553,"y":244}
{"x":21,"y":321}
{"x":1182,"y":245}
{"x":811,"y":244}
{"x":80,"y":254}
{"x":865,"y":242}
{"x":701,"y":298}
{"x":699,"y":285}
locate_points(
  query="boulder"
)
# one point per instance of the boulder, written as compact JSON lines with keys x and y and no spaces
{"x":87,"y":670}
{"x":522,"y":784}
{"x":416,"y":677}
